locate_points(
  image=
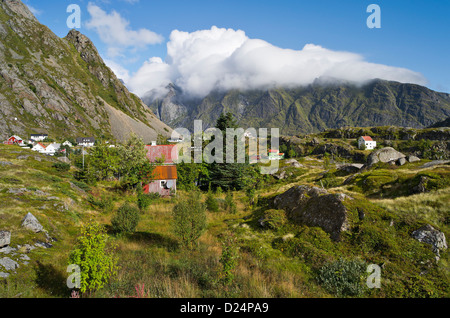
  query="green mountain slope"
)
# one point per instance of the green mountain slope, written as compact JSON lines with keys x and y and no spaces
{"x":314,"y":108}
{"x":62,"y":86}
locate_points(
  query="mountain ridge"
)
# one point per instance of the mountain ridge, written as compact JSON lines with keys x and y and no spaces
{"x":62,"y":86}
{"x":310,"y":109}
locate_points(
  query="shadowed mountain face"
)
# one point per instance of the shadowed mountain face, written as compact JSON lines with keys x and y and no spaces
{"x":310,"y":109}
{"x":62,"y":86}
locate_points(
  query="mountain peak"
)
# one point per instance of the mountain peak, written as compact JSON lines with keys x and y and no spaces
{"x":84,"y":46}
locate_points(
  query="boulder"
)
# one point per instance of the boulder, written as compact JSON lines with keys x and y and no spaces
{"x":30,"y":222}
{"x":401,"y":161}
{"x":429,"y":235}
{"x":294,"y":163}
{"x":412,"y":159}
{"x":5,"y":238}
{"x":350,"y":168}
{"x":384,"y":155}
{"x":8,"y":264}
{"x":315,"y":207}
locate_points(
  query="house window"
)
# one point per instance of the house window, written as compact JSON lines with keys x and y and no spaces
{"x":163,"y":184}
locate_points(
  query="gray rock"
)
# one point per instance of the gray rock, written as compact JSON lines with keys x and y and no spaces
{"x":30,"y":222}
{"x":7,"y":250}
{"x":401,"y":161}
{"x":8,"y":264}
{"x":435,"y":163}
{"x":4,"y":275}
{"x":18,"y":191}
{"x":315,"y":207}
{"x":412,"y":159}
{"x":384,"y":155}
{"x":350,"y":168}
{"x":294,"y":163}
{"x":429,"y":235}
{"x":5,"y":238}
{"x":5,"y":163}
{"x":43,"y":245}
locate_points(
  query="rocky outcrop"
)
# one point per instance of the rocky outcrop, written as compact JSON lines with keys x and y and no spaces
{"x":429,"y":235}
{"x":385,"y":155}
{"x":31,"y":223}
{"x":5,"y":238}
{"x":315,"y":207}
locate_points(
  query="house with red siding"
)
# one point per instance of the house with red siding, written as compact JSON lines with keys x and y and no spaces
{"x":165,"y":174}
{"x":15,"y":140}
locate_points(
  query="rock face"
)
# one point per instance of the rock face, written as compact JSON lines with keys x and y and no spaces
{"x":429,"y":235}
{"x":8,"y":264}
{"x":315,"y":207}
{"x":387,"y":154}
{"x":5,"y":238}
{"x":30,"y":222}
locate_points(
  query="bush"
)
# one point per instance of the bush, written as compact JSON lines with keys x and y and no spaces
{"x":189,"y":216}
{"x":61,"y":166}
{"x":274,"y":219}
{"x":105,"y":203}
{"x":211,"y":202}
{"x":343,"y":277}
{"x":93,"y":256}
{"x":229,"y":259}
{"x":230,"y":205}
{"x":126,"y":220}
{"x":144,"y":200}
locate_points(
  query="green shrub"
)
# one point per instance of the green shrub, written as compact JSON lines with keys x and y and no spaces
{"x":211,"y":202}
{"x":229,"y":259}
{"x":144,"y":200}
{"x":343,"y":277}
{"x":94,"y":257}
{"x":274,"y":219}
{"x":126,"y":219}
{"x":230,"y":205}
{"x":61,"y":166}
{"x":104,"y":203}
{"x":189,"y":216}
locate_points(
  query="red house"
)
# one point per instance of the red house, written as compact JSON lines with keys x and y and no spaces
{"x":14,"y":140}
{"x":165,"y":181}
{"x":165,"y":174}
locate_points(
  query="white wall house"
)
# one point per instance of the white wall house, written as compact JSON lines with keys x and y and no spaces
{"x":86,"y":142}
{"x":39,"y":148}
{"x":52,"y":149}
{"x":366,"y":143}
{"x":38,"y":137}
{"x":68,"y":143}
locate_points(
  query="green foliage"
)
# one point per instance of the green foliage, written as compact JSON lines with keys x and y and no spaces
{"x":126,"y":219}
{"x":189,"y":219}
{"x":105,"y":203}
{"x":61,"y":167}
{"x":144,"y":200}
{"x":228,"y":259}
{"x":274,"y":219}
{"x":230,"y":205}
{"x":94,"y":257}
{"x":343,"y":277}
{"x":211,"y":202}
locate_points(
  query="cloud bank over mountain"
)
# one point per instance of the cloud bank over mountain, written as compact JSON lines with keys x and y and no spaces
{"x":223,"y":59}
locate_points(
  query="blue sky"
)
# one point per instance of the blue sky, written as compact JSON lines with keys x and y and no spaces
{"x":414,"y":34}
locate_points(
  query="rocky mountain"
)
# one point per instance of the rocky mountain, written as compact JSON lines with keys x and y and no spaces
{"x":62,"y":86}
{"x":311,"y":109}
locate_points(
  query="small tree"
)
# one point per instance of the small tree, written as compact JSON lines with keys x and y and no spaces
{"x":211,"y":202}
{"x":94,"y":257}
{"x":229,"y":259}
{"x":189,"y":219}
{"x":127,"y":219}
{"x":230,"y":205}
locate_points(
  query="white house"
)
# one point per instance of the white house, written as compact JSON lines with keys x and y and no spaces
{"x":39,"y":148}
{"x":67,"y":143}
{"x":38,"y":137}
{"x":367,"y":143}
{"x":52,"y":149}
{"x":86,"y":142}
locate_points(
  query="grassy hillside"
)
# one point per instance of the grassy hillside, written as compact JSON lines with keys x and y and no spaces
{"x":284,"y":260}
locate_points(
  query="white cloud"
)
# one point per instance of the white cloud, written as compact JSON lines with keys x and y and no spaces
{"x":115,"y":31}
{"x":218,"y":58}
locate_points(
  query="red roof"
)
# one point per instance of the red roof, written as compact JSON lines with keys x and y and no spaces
{"x":367,"y":138}
{"x":170,"y":153}
{"x":165,"y":173}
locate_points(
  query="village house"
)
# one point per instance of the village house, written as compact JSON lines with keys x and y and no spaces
{"x":39,"y":147}
{"x":366,"y":143}
{"x":67,"y":143}
{"x":86,"y":142}
{"x":15,"y":140}
{"x":275,"y":155}
{"x":38,"y":137}
{"x":52,"y":149}
{"x":165,"y":174}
